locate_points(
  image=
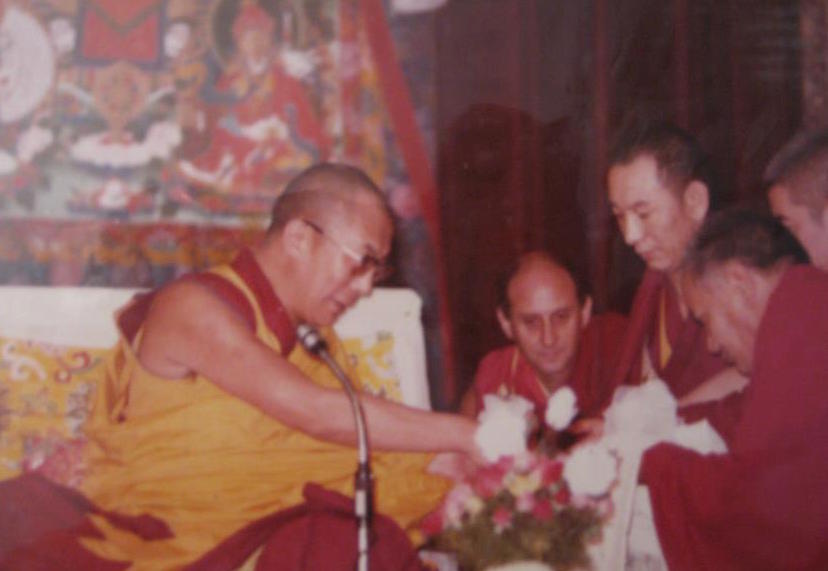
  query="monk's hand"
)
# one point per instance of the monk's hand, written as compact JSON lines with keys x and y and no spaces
{"x":718,"y":387}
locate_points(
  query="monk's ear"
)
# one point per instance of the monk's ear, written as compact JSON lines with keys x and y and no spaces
{"x":505,"y":323}
{"x":586,"y":311}
{"x":696,"y":200}
{"x":297,"y":238}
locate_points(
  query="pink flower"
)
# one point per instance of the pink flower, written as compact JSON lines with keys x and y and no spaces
{"x":551,"y":472}
{"x":488,"y":481}
{"x":502,"y":518}
{"x":455,"y":504}
{"x":543,"y":509}
{"x":563,"y":496}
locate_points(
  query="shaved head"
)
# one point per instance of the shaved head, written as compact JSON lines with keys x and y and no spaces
{"x":801,"y":167}
{"x":325,"y":190}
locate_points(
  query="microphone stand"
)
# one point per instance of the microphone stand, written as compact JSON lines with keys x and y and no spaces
{"x":363,"y":479}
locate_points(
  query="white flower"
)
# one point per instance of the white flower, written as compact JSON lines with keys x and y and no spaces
{"x":561,"y":408}
{"x":590,"y":470}
{"x":504,"y":426}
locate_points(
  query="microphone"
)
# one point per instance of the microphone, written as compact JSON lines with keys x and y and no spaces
{"x":313,"y":342}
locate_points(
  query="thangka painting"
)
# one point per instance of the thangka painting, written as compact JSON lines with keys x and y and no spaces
{"x":143,"y":138}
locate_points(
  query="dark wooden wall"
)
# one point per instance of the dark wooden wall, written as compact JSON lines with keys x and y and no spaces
{"x":529,"y":95}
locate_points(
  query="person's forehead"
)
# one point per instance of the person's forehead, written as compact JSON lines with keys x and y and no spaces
{"x":639,"y":179}
{"x":363,"y":224}
{"x":540,"y":288}
{"x":704,"y":292}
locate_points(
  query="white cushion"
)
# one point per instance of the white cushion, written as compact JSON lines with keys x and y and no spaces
{"x":83,"y":316}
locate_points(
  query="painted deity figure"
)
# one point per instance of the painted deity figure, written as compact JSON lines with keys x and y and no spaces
{"x":271,"y":131}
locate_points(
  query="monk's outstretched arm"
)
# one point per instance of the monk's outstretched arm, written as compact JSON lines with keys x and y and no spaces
{"x":189,"y":330}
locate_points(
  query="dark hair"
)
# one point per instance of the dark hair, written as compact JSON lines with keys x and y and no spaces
{"x":678,"y":155}
{"x":317,"y":187}
{"x":801,"y":165}
{"x":755,"y":239}
{"x":505,"y":276}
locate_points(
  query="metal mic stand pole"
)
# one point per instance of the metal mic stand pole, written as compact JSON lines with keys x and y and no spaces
{"x":363,"y":480}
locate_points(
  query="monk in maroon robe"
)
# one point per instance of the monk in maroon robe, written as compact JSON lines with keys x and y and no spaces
{"x":557,"y":342}
{"x":763,"y":505}
{"x":661,"y":191}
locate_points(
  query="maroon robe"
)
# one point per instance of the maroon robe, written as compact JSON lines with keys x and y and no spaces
{"x":507,"y":370}
{"x":690,"y":362}
{"x":765,"y":504}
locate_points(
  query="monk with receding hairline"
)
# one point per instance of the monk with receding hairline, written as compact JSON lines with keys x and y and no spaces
{"x":556,"y":341}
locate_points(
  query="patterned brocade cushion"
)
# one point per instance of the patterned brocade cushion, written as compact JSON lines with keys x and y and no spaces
{"x":46,"y":393}
{"x":372,"y":358}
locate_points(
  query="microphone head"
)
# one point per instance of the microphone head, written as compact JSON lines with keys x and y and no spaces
{"x":310,"y":338}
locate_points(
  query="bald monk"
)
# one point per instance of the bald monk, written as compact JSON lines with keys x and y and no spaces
{"x":556,"y":341}
{"x":798,"y":192}
{"x":211,"y":416}
{"x":763,"y":505}
{"x":660,"y":191}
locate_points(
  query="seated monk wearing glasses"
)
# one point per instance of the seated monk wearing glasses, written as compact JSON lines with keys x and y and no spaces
{"x":212,"y":417}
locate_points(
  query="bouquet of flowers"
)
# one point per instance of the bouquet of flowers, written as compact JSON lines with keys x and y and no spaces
{"x":525,"y":505}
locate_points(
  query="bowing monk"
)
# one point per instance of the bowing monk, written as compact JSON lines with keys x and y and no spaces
{"x":556,"y":341}
{"x":212,"y":417}
{"x":660,"y":191}
{"x":798,"y":192}
{"x":764,"y":504}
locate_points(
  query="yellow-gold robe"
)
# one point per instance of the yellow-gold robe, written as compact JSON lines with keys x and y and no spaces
{"x":207,"y":463}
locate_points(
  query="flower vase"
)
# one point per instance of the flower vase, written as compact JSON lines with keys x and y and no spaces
{"x":521,"y":566}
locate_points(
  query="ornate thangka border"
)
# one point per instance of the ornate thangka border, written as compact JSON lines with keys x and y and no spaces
{"x":107,"y":253}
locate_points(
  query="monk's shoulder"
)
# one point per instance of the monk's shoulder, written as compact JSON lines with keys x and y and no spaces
{"x":190,"y":306}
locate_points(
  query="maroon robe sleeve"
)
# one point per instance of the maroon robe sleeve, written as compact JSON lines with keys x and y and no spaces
{"x":592,"y":377}
{"x":690,"y":363}
{"x":765,"y":504}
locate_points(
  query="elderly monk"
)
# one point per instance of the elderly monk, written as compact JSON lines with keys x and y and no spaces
{"x":212,"y":417}
{"x":660,"y":191}
{"x":798,"y":192}
{"x":763,"y":505}
{"x":556,"y":341}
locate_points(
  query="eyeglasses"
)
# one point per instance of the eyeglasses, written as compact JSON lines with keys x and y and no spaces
{"x":365,"y":263}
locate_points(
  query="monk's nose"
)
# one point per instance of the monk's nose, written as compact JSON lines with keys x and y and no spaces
{"x":549,"y":336}
{"x":631,"y":228}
